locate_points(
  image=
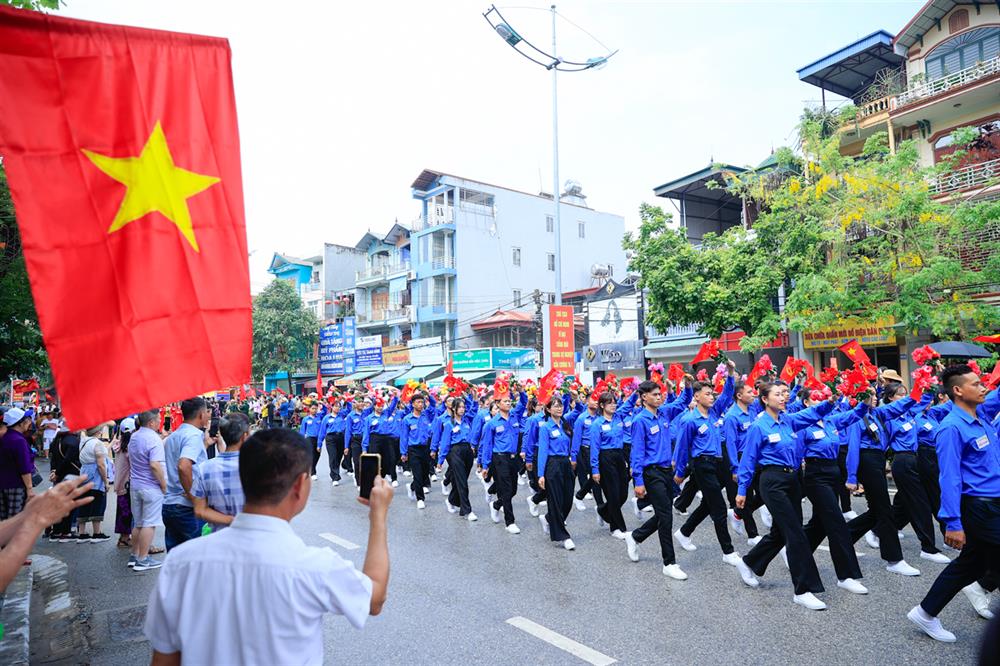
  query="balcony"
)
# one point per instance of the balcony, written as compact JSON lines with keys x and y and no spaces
{"x":391,"y":317}
{"x":381,"y":273}
{"x":946,"y":84}
{"x":972,"y":177}
{"x":674,"y":332}
{"x":867,"y":115}
{"x":437,"y":215}
{"x":312,"y":287}
{"x":439,"y":263}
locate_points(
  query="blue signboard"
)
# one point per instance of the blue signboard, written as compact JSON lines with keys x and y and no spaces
{"x":368,"y":352}
{"x":513,"y":358}
{"x":336,"y":348}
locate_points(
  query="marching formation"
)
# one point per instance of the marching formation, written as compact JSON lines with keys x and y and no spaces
{"x":759,"y":445}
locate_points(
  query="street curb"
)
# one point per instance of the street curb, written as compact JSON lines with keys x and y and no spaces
{"x":14,"y":648}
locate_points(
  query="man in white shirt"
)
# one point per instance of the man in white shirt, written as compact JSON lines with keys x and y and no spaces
{"x":254,"y":593}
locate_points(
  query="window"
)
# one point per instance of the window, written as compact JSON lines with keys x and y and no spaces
{"x":516,"y":258}
{"x":581,"y":229}
{"x":549,"y":297}
{"x":550,"y":223}
{"x":550,"y":260}
{"x":517,"y":298}
{"x":963,"y":51}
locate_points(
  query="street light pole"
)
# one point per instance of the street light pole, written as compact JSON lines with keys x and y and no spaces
{"x":557,"y":228}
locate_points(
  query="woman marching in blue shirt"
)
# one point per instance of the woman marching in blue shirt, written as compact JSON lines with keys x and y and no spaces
{"x":456,"y":448}
{"x":607,"y":463}
{"x":555,"y":472}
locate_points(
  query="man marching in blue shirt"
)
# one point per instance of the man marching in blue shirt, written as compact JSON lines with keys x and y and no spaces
{"x":310,"y":430}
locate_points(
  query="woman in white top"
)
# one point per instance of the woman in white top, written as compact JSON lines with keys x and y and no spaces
{"x":93,"y":463}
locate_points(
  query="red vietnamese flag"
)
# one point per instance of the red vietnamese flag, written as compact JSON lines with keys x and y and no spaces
{"x":122,"y":153}
{"x":854,"y":352}
{"x":992,"y":339}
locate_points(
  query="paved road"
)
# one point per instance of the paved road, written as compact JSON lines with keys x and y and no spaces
{"x":455,"y":586}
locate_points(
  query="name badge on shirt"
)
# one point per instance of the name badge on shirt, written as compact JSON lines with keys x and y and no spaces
{"x":499,"y":429}
{"x":907,"y":427}
{"x":746,"y":426}
{"x":606,"y":427}
{"x":982,"y":442}
{"x":873,"y":427}
{"x":555,"y":432}
{"x":588,"y":421}
{"x":628,"y":423}
{"x":389,"y":420}
{"x":375,"y":422}
{"x":456,"y":428}
{"x":655,"y":429}
{"x":413,"y":427}
{"x":718,"y":423}
{"x":928,"y":426}
{"x":774,"y":437}
{"x":819,"y":434}
{"x":703,"y":428}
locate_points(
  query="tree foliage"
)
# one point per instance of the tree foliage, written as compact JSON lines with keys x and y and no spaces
{"x":37,"y":5}
{"x":284,"y":330}
{"x":848,"y":237}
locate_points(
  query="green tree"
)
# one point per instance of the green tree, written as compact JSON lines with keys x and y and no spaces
{"x":284,"y":331}
{"x":37,"y":5}
{"x":848,"y":237}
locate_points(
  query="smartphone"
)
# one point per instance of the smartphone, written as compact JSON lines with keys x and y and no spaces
{"x":213,"y":428}
{"x":371,"y":467}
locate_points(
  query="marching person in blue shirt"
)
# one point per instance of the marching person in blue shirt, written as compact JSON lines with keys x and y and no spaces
{"x":969,"y":457}
{"x":738,"y":420}
{"x":414,"y":445}
{"x":354,"y":433}
{"x":581,"y":447}
{"x":456,"y":449}
{"x":331,"y":433}
{"x":437,"y":429}
{"x":499,"y":452}
{"x":775,"y":445}
{"x":555,"y":472}
{"x":381,"y":426}
{"x":607,"y":464}
{"x":529,"y":451}
{"x":310,"y":430}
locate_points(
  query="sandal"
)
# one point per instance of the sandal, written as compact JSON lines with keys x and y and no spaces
{"x":124,"y":543}
{"x":153,"y":550}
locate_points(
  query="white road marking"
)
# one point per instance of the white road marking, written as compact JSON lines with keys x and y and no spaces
{"x":337,"y":541}
{"x":579,"y":650}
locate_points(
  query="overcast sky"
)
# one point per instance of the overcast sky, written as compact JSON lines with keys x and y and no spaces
{"x":341,"y":104}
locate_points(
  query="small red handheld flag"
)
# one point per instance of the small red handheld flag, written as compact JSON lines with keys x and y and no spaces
{"x":122,"y":152}
{"x":854,"y":352}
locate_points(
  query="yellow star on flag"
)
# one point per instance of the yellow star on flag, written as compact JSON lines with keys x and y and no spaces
{"x":154,"y":183}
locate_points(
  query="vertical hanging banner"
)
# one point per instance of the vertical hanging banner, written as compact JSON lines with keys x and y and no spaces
{"x":560,"y":342}
{"x":122,"y":153}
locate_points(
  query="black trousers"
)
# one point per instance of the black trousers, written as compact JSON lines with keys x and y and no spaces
{"x":706,"y":471}
{"x":878,"y":517}
{"x":843,"y":493}
{"x":587,"y":484}
{"x":314,"y":447}
{"x":383,"y":445}
{"x":419,"y":457}
{"x":659,"y":483}
{"x":981,"y":522}
{"x":460,"y":461}
{"x":540,"y":495}
{"x":911,"y":504}
{"x":559,"y":485}
{"x":927,"y":467}
{"x":335,"y":453}
{"x":355,"y":456}
{"x":504,"y":467}
{"x":614,"y":484}
{"x":822,"y":487}
{"x":781,"y":489}
{"x":751,"y":504}
{"x":687,"y":494}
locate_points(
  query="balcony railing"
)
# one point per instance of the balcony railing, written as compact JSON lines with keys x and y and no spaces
{"x":688,"y":331}
{"x":310,"y":287}
{"x":382,"y":271}
{"x":402,"y":313}
{"x":969,"y":177}
{"x":943,"y":84}
{"x":442,"y":262}
{"x":437,"y":215}
{"x":867,"y":111}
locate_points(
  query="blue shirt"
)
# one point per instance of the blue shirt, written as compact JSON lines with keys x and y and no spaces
{"x":185,"y":442}
{"x":823,"y":439}
{"x":699,"y":435}
{"x":454,"y":433}
{"x":969,"y":460}
{"x":529,"y":445}
{"x":581,"y":431}
{"x":416,"y":430}
{"x":871,"y":434}
{"x":218,"y":482}
{"x":772,"y":441}
{"x":310,"y":426}
{"x":734,"y":428}
{"x":333,"y":424}
{"x":552,"y":441}
{"x":355,"y":425}
{"x":500,"y":436}
{"x":437,"y":429}
{"x":650,"y":445}
{"x":605,"y":434}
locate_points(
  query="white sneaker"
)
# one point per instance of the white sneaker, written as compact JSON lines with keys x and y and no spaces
{"x":618,"y":534}
{"x":451,"y":507}
{"x":350,"y":474}
{"x":736,"y":523}
{"x":871,"y":539}
{"x":631,"y":547}
{"x":679,"y":512}
{"x":314,"y":477}
{"x":940,"y":558}
{"x":746,"y":575}
{"x":513,"y":529}
{"x":852,"y":585}
{"x":444,"y":488}
{"x":569,"y":545}
{"x":732,"y":559}
{"x":600,"y":521}
{"x":395,"y":484}
{"x":809,"y":600}
{"x":765,"y":517}
{"x":472,"y":517}
{"x":903,"y":568}
{"x":337,"y":483}
{"x":784,"y":557}
{"x":532,"y":507}
{"x":406,"y":473}
{"x":648,"y":508}
{"x":674,"y":571}
{"x":698,"y":494}
{"x":486,"y":491}
{"x":684,"y":541}
{"x":494,"y":513}
{"x":520,"y":479}
{"x":754,"y":541}
{"x":899,"y":533}
{"x":427,"y":490}
{"x":434,"y":476}
{"x":931,"y":625}
{"x":589,"y":496}
{"x":850,"y":515}
{"x":420,"y":504}
{"x":409,"y":493}
{"x":545,"y":523}
{"x":636,"y":509}
{"x":580,"y":506}
{"x":980,"y":599}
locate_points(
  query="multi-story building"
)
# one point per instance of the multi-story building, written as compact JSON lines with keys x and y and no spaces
{"x":479,"y":251}
{"x":939,"y":73}
{"x":324,"y":282}
{"x":382,"y":294}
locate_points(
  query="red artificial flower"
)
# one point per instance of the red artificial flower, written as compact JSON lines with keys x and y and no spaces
{"x":925,"y":355}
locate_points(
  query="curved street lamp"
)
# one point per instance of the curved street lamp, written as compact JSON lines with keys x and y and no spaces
{"x":553,"y":62}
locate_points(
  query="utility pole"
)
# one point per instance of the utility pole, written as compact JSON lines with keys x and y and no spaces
{"x":536,"y":296}
{"x":555,"y":164}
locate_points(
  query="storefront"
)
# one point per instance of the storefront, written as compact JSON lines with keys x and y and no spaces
{"x":877,"y":338}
